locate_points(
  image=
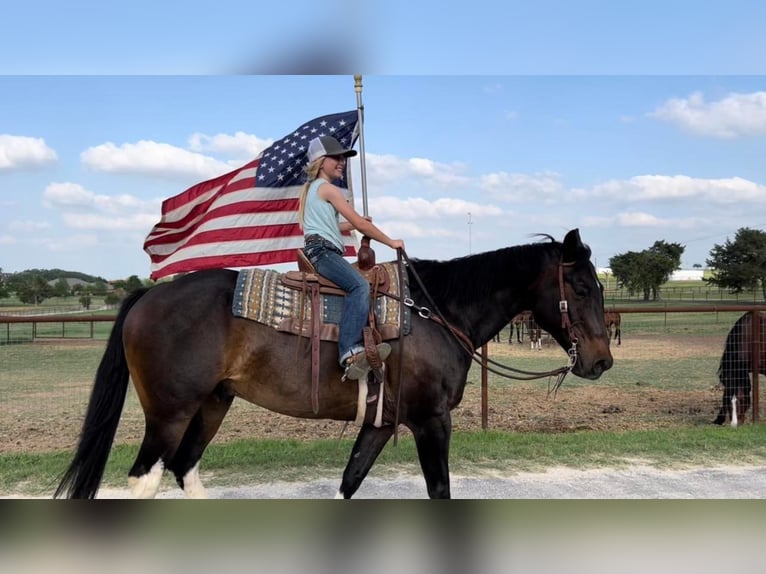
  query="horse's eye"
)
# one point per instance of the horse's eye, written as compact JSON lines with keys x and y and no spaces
{"x":581,"y":291}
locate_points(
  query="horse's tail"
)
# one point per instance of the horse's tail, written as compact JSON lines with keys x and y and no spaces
{"x":82,"y":478}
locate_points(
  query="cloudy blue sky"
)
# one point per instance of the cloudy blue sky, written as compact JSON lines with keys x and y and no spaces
{"x":633,"y":125}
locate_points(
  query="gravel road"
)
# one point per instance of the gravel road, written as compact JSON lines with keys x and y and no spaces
{"x":634,"y":482}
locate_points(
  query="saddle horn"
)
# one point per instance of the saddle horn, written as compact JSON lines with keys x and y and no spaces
{"x":365,"y":255}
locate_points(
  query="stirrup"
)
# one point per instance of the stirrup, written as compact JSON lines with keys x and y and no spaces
{"x":358,"y":365}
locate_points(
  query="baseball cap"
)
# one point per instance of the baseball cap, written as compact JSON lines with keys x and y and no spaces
{"x":327,"y":145}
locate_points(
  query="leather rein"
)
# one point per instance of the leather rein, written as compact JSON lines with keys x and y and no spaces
{"x":434,"y":314}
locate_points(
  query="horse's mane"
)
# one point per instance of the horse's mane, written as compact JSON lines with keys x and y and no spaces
{"x":465,"y":279}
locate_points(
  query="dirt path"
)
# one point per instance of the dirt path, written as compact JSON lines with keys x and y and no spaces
{"x":634,"y":482}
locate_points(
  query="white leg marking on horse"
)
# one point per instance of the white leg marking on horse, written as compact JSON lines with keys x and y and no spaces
{"x":734,"y":420}
{"x":147,"y":485}
{"x":379,"y":411}
{"x":361,"y":402}
{"x":192,"y":484}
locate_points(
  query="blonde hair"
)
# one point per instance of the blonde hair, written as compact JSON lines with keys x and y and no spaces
{"x":312,"y":171}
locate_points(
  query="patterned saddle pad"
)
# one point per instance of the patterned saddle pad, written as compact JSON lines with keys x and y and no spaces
{"x":261,"y":296}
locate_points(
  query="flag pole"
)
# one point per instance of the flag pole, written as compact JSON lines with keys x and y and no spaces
{"x":360,"y":111}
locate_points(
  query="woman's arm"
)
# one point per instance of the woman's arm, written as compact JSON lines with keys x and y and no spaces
{"x":363,"y":225}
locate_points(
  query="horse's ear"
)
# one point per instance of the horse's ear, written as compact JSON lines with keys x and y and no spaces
{"x":573,"y":246}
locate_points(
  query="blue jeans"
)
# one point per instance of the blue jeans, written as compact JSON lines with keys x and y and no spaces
{"x":329,"y":263}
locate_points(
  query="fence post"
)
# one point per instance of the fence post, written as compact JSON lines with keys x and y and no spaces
{"x":484,"y":394}
{"x":756,"y":362}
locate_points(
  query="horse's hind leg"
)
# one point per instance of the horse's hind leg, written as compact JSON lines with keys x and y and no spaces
{"x":367,"y":447}
{"x":201,"y":430}
{"x":158,"y":447}
{"x":432,"y":441}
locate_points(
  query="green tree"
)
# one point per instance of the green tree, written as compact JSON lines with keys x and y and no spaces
{"x":133,"y":283}
{"x":61,"y":288}
{"x":740,"y":265}
{"x":99,"y":288}
{"x":85,"y":301}
{"x":111,"y":299}
{"x":4,"y":291}
{"x":667,"y":260}
{"x":34,"y":289}
{"x":645,"y":271}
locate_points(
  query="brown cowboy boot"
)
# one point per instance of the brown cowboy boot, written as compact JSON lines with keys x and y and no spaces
{"x":358,"y":365}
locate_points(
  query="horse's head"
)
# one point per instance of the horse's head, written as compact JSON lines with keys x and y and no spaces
{"x":569,"y":304}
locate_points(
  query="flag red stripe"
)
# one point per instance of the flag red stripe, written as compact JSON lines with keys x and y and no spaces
{"x":238,"y":260}
{"x":191,"y":194}
{"x":171,"y":236}
{"x":237,"y":234}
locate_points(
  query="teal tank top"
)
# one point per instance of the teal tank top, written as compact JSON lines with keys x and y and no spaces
{"x":320,"y":217}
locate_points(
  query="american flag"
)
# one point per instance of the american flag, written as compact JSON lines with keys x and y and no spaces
{"x":247,"y":217}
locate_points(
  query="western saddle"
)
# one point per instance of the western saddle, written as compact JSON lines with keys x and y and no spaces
{"x":312,"y":284}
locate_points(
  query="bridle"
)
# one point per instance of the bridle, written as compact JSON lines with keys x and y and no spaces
{"x":433,"y":313}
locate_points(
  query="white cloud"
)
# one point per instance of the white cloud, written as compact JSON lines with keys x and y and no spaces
{"x":239,"y":145}
{"x":74,"y":195}
{"x":132,"y":222}
{"x":643,"y":219}
{"x":386,"y":169}
{"x":518,"y":187}
{"x":67,"y":195}
{"x":7,"y":240}
{"x":152,"y":158}
{"x":28,"y":226}
{"x":733,"y":116}
{"x":413,"y":230}
{"x":83,"y":209}
{"x":419,"y":208}
{"x":69,"y":243}
{"x":676,"y":187}
{"x":21,"y":152}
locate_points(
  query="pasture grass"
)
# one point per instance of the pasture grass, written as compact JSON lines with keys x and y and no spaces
{"x":472,"y":454}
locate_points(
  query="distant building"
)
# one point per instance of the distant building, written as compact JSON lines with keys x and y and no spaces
{"x":677,"y":275}
{"x":687,"y":275}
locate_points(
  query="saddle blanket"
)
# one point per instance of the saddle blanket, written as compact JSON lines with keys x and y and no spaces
{"x":261,"y":296}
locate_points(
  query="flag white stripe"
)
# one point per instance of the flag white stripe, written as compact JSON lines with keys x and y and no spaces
{"x":251,"y":194}
{"x":232,"y":222}
{"x":247,"y":246}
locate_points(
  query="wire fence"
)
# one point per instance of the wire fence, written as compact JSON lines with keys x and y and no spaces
{"x":665,"y":374}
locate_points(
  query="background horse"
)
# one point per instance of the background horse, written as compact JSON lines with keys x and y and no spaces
{"x":189,"y":357}
{"x":519,"y":322}
{"x":736,"y":366}
{"x":525,"y":321}
{"x":612,"y":321}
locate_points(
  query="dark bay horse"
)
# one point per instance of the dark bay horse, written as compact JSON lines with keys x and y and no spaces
{"x":736,"y":366}
{"x":189,"y":357}
{"x":612,"y":321}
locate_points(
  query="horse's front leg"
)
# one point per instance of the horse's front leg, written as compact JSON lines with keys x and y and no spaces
{"x":367,"y":447}
{"x":432,"y":438}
